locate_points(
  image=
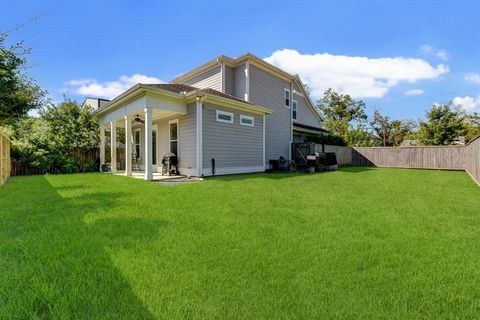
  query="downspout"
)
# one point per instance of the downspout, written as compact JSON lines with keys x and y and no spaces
{"x":199,"y":122}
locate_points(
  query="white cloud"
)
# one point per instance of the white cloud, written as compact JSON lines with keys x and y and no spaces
{"x":107,"y":89}
{"x":358,"y":76}
{"x":430,"y":50}
{"x":442,"y":54}
{"x":468,"y":103}
{"x":414,"y":92}
{"x":427,"y":49}
{"x":473,"y":77}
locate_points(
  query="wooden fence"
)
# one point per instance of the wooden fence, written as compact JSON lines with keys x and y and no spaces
{"x":472,"y":159}
{"x":438,"y":157}
{"x":429,"y":157}
{"x":344,"y":154}
{"x":4,"y":157}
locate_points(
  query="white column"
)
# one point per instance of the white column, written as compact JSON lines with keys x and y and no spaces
{"x":102,"y":147}
{"x":113,"y":146}
{"x":128,"y":147}
{"x":199,"y":110}
{"x":148,"y":144}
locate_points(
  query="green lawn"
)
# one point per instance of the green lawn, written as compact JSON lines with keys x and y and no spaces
{"x":359,"y":243}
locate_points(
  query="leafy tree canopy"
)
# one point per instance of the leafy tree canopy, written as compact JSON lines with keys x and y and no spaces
{"x":444,"y":124}
{"x":18,"y":93}
{"x":390,"y":132}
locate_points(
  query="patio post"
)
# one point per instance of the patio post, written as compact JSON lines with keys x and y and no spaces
{"x":113,"y":146}
{"x":148,"y":144}
{"x":128,"y":147}
{"x":102,"y":147}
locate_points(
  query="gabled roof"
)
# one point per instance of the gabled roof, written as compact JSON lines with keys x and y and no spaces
{"x":184,"y":92}
{"x":180,"y":88}
{"x":235,"y":62}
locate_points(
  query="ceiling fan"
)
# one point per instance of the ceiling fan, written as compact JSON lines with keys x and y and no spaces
{"x":138,"y":119}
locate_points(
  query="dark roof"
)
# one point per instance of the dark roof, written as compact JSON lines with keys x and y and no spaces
{"x":304,"y":126}
{"x":178,"y":88}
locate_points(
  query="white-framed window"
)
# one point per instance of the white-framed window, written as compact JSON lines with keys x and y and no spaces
{"x":247,"y":120}
{"x":287,"y":97}
{"x":224,"y":116}
{"x":173,"y":136}
{"x":136,"y":142}
{"x":294,"y":109}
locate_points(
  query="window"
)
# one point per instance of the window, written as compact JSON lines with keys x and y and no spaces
{"x":246,"y":120}
{"x":137,"y":143}
{"x":154,"y":147}
{"x":223,"y":116}
{"x":294,"y":109}
{"x":287,"y":98}
{"x":174,"y":137}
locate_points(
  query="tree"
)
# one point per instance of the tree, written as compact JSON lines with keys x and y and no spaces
{"x":391,"y":132}
{"x":72,"y":128}
{"x":18,"y":93}
{"x":359,"y":136}
{"x":444,"y":124}
{"x":472,"y":126}
{"x":57,"y":139}
{"x":340,"y":111}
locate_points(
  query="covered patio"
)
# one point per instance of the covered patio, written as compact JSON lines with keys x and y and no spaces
{"x":147,"y":118}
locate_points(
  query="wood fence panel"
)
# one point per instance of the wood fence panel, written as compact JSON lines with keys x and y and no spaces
{"x":344,"y":154}
{"x":4,"y":157}
{"x":472,"y":159}
{"x":441,"y":157}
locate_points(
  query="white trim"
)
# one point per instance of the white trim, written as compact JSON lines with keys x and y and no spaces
{"x":148,"y":144}
{"x":225,"y":113}
{"x":170,"y":138}
{"x":102,"y":146}
{"x":247,"y":81}
{"x":199,"y":109}
{"x":222,"y":66}
{"x":296,"y":110}
{"x":113,"y":146}
{"x":285,"y":97}
{"x":128,"y":146}
{"x":139,"y":154}
{"x":264,"y":161}
{"x":242,"y":116}
{"x":233,"y":170}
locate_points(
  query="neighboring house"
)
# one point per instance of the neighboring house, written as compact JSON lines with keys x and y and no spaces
{"x":230,"y":115}
{"x":95,"y":103}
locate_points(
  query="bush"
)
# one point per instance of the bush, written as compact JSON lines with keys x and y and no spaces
{"x":90,"y":166}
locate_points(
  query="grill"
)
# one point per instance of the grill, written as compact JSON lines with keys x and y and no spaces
{"x":170,"y":164}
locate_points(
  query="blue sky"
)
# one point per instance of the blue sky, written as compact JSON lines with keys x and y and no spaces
{"x":398,"y":56}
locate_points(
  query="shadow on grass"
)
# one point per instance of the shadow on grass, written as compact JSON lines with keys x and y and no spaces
{"x":54,"y":265}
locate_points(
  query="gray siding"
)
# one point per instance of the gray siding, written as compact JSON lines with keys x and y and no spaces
{"x":268,"y":90}
{"x":231,"y":144}
{"x":187,"y":134}
{"x":239,"y":82}
{"x":229,"y":80}
{"x":209,"y":79}
{"x":305,"y":114}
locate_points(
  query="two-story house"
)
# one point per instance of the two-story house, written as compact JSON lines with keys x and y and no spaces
{"x":230,"y":115}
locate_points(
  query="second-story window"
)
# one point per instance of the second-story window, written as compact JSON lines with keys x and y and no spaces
{"x":294,"y":109}
{"x":287,"y":98}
